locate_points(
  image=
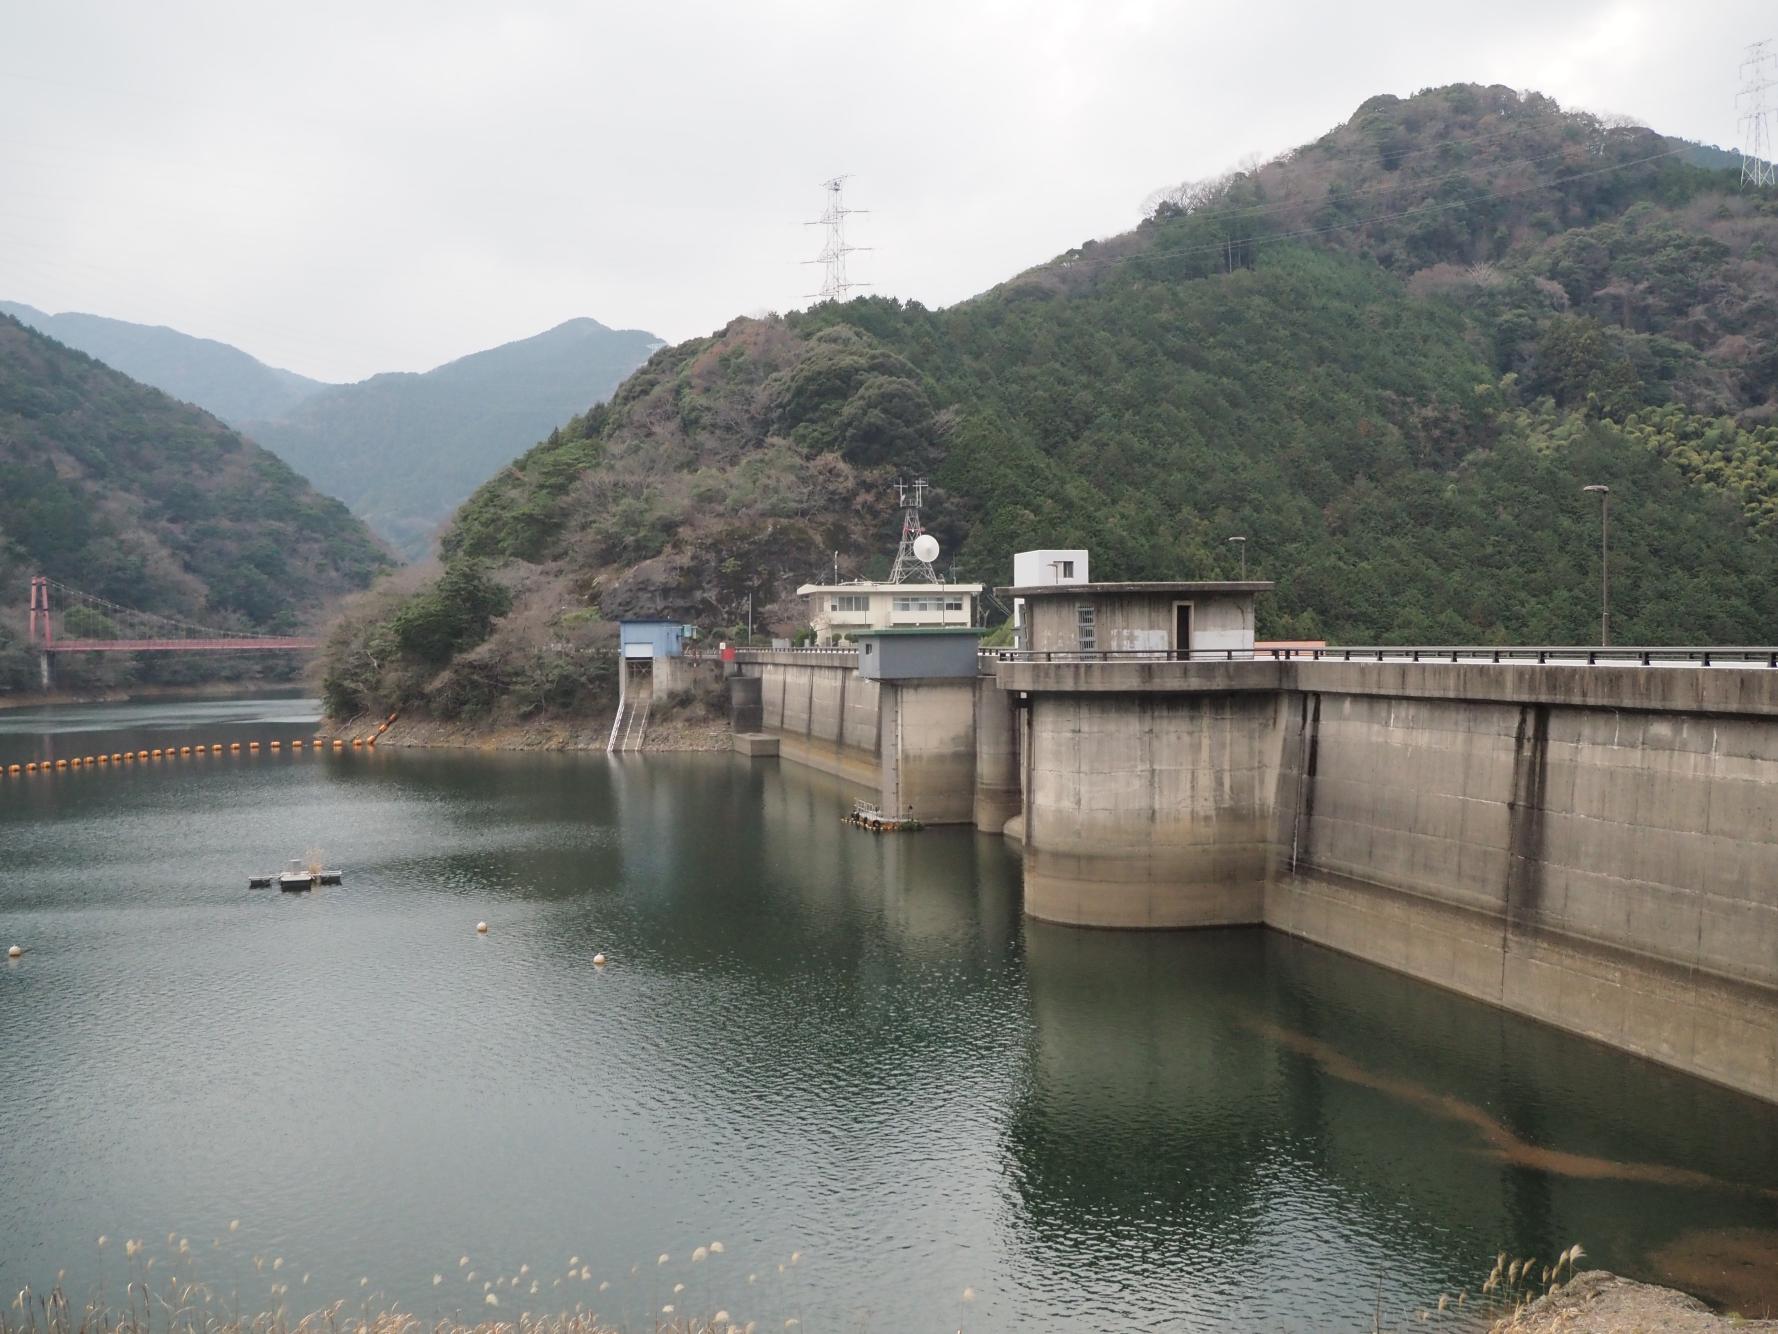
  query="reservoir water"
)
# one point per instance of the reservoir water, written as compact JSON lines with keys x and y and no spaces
{"x":809,"y":1042}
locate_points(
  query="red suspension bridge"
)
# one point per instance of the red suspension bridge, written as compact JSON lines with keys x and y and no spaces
{"x":84,"y":623}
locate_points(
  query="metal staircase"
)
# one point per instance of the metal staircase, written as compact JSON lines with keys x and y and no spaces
{"x":630,"y":725}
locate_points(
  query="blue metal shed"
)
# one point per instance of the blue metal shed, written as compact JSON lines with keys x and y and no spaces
{"x":650,"y":639}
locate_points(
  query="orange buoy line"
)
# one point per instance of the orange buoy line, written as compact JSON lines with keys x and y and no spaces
{"x":315,"y":746}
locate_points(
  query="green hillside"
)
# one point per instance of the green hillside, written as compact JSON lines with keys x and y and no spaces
{"x":116,"y":489}
{"x":404,"y":450}
{"x":1390,"y":359}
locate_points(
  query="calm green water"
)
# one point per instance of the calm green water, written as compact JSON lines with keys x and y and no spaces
{"x":808,"y":1040}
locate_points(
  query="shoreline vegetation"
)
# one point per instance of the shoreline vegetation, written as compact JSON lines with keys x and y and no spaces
{"x":591,"y":732}
{"x":1595,"y":1301}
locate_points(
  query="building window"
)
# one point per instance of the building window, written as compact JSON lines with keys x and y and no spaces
{"x":851,"y":602}
{"x":1064,"y":569}
{"x":947,"y":602}
{"x":1086,"y":627}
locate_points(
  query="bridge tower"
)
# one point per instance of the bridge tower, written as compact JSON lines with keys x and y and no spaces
{"x":39,"y":630}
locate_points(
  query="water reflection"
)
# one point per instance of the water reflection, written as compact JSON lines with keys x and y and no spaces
{"x":808,"y":1038}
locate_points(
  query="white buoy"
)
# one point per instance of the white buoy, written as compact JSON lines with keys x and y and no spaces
{"x":482,"y":927}
{"x":599,"y":960}
{"x":16,"y":951}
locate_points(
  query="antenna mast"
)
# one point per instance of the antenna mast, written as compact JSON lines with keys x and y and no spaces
{"x":1756,"y":135}
{"x":834,"y":284}
{"x":907,"y":564}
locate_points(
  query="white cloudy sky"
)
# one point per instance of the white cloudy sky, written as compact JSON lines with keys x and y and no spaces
{"x":344,"y":188}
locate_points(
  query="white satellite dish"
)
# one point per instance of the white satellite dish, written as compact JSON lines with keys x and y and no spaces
{"x":926,"y":548}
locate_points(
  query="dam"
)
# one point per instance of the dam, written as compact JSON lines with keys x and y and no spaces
{"x":1588,"y":840}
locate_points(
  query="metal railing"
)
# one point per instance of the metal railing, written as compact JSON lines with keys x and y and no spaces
{"x":1543,"y":655}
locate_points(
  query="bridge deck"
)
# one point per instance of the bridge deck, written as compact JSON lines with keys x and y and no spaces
{"x":286,"y":644}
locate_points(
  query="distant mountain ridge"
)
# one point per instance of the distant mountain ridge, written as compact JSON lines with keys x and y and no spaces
{"x":221,"y":379}
{"x":403,"y":450}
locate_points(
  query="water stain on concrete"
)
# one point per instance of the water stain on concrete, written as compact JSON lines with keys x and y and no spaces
{"x":1525,"y":818}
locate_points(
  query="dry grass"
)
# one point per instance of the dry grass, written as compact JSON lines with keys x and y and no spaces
{"x":164,"y":1293}
{"x":53,"y":1314}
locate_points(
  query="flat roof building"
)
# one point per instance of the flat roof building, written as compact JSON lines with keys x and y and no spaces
{"x":919,"y":653}
{"x":1183,"y":619}
{"x":650,"y":639}
{"x":839,"y":611}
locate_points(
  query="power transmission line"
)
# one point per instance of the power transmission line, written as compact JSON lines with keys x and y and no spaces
{"x":834,"y":283}
{"x":1757,"y":68}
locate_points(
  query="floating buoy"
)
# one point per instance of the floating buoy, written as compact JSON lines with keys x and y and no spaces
{"x":356,"y":741}
{"x":481,"y":928}
{"x":598,"y":960}
{"x":234,"y":745}
{"x":141,"y":754}
{"x":297,"y":744}
{"x":185,"y":750}
{"x":14,"y":952}
{"x":216,"y":749}
{"x":276,"y":744}
{"x":76,"y":762}
{"x":338,"y":744}
{"x":31,"y":768}
{"x":253,"y":745}
{"x":61,"y":764}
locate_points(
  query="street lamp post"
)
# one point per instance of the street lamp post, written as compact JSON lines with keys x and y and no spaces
{"x":1604,"y":494}
{"x":1241,"y":542}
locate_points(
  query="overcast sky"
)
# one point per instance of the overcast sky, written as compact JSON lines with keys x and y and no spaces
{"x":357,"y":187}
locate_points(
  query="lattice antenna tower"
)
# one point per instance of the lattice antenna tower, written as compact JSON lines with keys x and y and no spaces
{"x":908,"y":565}
{"x":834,"y":283}
{"x":1758,"y":67}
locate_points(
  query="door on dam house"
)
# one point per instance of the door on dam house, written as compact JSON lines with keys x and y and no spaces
{"x":1182,"y":630}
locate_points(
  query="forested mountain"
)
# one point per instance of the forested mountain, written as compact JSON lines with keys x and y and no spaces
{"x":404,"y":450}
{"x":218,"y":378}
{"x":114,"y":488}
{"x":1390,"y":359}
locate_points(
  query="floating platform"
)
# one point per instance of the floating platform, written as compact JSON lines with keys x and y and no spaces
{"x":866,"y":816}
{"x":758,"y":745}
{"x":297,"y":877}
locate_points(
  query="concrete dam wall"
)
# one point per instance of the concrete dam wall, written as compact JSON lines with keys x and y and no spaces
{"x":1596,"y":847}
{"x":937,"y":750}
{"x":824,"y":714}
